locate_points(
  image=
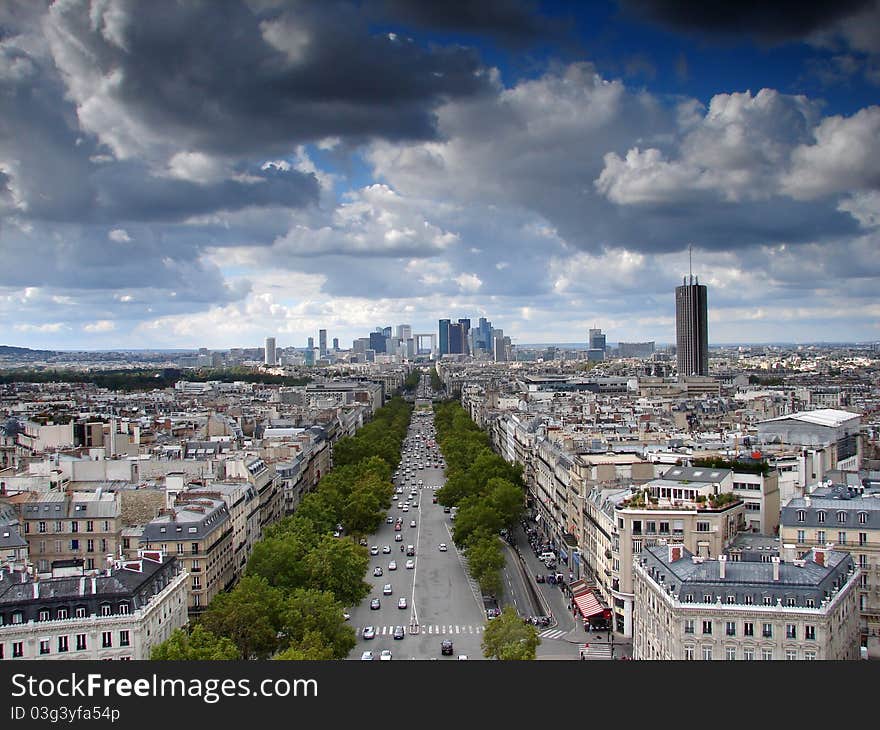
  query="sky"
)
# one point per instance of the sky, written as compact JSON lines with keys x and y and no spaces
{"x":207,"y":174}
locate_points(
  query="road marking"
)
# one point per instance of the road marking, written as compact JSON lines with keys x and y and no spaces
{"x":457,"y":630}
{"x":450,"y":629}
{"x":552,"y":634}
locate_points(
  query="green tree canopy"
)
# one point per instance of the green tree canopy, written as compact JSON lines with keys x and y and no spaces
{"x":338,"y":566}
{"x":508,"y":637}
{"x":312,"y":618}
{"x":197,"y":645}
{"x":249,"y":615}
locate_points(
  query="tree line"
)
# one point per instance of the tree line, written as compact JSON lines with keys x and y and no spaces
{"x":289,"y":604}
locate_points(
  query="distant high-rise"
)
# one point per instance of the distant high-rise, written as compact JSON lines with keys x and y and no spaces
{"x":311,"y":344}
{"x":404,"y":331}
{"x":335,"y":343}
{"x":456,"y":338}
{"x":465,"y":336}
{"x":270,"y":358}
{"x":596,"y":340}
{"x":377,"y":342}
{"x":444,"y":336}
{"x":691,"y":328}
{"x":322,"y":342}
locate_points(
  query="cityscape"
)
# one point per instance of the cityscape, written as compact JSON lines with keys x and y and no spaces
{"x":366,"y":331}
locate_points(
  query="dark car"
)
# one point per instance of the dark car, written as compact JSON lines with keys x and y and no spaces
{"x":375,"y":604}
{"x":446,"y":647}
{"x":399,"y":632}
{"x":446,"y":509}
{"x":539,"y":578}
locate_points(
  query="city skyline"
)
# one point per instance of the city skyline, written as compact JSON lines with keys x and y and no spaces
{"x":191,"y":176}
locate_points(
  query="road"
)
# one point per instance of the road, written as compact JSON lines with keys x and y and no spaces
{"x":441,"y":601}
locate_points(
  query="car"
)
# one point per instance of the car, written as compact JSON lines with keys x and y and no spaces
{"x":387,"y":590}
{"x":442,"y":547}
{"x":434,"y":499}
{"x":405,"y":508}
{"x":392,"y":565}
{"x":398,"y":537}
{"x":412,"y":523}
{"x":539,"y":578}
{"x":375,"y":604}
{"x":410,"y":564}
{"x":399,"y":505}
{"x":367,"y":656}
{"x":398,"y":527}
{"x":386,"y":549}
{"x":385,"y":656}
{"x":377,"y":571}
{"x":410,"y":551}
{"x":401,"y":602}
{"x":369,"y":632}
{"x":446,"y":647}
{"x":446,"y":509}
{"x":462,"y":657}
{"x":374,"y":550}
{"x":363,"y":541}
{"x":346,"y":615}
{"x":399,"y":633}
{"x":389,"y":521}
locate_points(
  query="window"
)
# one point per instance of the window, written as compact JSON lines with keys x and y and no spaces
{"x":707,"y":598}
{"x":863,"y":561}
{"x":820,"y":536}
{"x":731,"y":599}
{"x":123,"y":638}
{"x":702,"y":526}
{"x":58,"y":546}
{"x":767,"y":655}
{"x":730,"y":628}
{"x":689,"y":653}
{"x":58,"y":527}
{"x":820,"y":516}
{"x":90,"y":526}
{"x":106,"y":526}
{"x":810,"y":632}
{"x":664,"y":528}
{"x":105,"y":609}
{"x":863,"y":580}
{"x":841,"y":538}
{"x":730,"y":653}
{"x":863,"y":518}
{"x":194,"y":548}
{"x":768,"y":600}
{"x":689,"y":598}
{"x":44,"y":646}
{"x":41,"y":527}
{"x":809,"y":656}
{"x":707,"y":653}
{"x":650,"y":527}
{"x":801,"y":535}
{"x":80,"y":611}
{"x":62,"y":644}
{"x":43,"y":615}
{"x":863,"y":538}
{"x":791,"y":602}
{"x":90,"y":563}
{"x":748,"y":599}
{"x":18,"y":617}
{"x":707,"y":627}
{"x":748,"y":653}
{"x":637,"y":527}
{"x":767,"y":631}
{"x":748,"y":628}
{"x":74,"y":544}
{"x":688,"y":626}
{"x":841,"y":517}
{"x":62,"y":613}
{"x":90,"y":546}
{"x":74,"y":526}
{"x":810,"y":602}
{"x":801,"y":515}
{"x":123,"y":608}
{"x":197,"y":583}
{"x":790,"y":631}
{"x":106,"y":639}
{"x":791,"y":655}
{"x":80,"y":642}
{"x":17,"y":649}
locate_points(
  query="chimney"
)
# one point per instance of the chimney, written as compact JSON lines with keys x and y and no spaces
{"x":775,"y":561}
{"x":722,"y":564}
{"x":819,"y":556}
{"x":806,"y":500}
{"x":82,"y":586}
{"x":674,"y":553}
{"x":36,"y":585}
{"x":94,"y":585}
{"x":789,"y":553}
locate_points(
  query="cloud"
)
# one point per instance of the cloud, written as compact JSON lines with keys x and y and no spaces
{"x":102,"y":325}
{"x":120,"y":235}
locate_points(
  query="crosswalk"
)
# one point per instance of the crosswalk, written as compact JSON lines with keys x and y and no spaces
{"x":596,"y":650}
{"x":552,"y":634}
{"x":438,"y":629}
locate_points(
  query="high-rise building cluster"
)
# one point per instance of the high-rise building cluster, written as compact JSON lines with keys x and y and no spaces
{"x":459,"y":338}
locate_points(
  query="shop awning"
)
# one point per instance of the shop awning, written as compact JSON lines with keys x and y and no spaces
{"x":588,"y":604}
{"x":580,"y":586}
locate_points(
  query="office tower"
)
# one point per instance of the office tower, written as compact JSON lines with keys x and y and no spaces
{"x":691,"y":328}
{"x":386,"y":331}
{"x":596,"y":340}
{"x":322,"y":342}
{"x":335,"y":343}
{"x":635,"y":349}
{"x":498,"y":351}
{"x":311,"y":345}
{"x":360,"y":345}
{"x":456,"y":338}
{"x":269,"y":358}
{"x":404,"y":331}
{"x":444,"y":336}
{"x":465,"y":335}
{"x":377,"y":341}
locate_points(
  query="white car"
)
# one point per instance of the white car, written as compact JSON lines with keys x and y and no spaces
{"x":387,"y":590}
{"x":392,"y":565}
{"x":367,"y":656}
{"x":385,"y":656}
{"x":374,"y":550}
{"x":369,"y":632}
{"x":442,"y":547}
{"x":386,"y":549}
{"x":412,"y":523}
{"x":410,"y":564}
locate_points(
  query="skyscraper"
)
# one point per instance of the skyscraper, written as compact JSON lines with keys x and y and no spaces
{"x":311,"y":344}
{"x":456,"y":338}
{"x":691,"y":328}
{"x":596,"y":340}
{"x":322,"y":342}
{"x":269,"y":358}
{"x":444,"y":336}
{"x":335,"y":343}
{"x":404,"y":331}
{"x":465,"y":336}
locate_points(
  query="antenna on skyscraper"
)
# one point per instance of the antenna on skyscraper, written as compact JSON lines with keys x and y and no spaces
{"x":691,"y":262}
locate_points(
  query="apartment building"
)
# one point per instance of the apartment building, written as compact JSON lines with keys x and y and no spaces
{"x":200,"y":534}
{"x":693,"y":608}
{"x":119,"y":612}
{"x":850,"y":520}
{"x":70,"y":525}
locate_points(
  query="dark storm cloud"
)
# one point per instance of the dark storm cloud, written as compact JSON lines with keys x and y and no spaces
{"x":768,"y":21}
{"x":223,"y":77}
{"x":515,"y":22}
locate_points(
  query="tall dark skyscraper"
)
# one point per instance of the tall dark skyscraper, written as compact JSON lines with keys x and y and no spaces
{"x":691,"y":328}
{"x":444,"y":336}
{"x":465,"y":332}
{"x":456,"y":338}
{"x":322,"y":342}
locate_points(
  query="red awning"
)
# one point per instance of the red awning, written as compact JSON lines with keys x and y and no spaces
{"x":588,"y":604}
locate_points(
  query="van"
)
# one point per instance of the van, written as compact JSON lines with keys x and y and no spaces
{"x":544,"y":557}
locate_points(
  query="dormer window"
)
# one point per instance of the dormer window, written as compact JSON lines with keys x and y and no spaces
{"x":841,"y":516}
{"x":863,"y":518}
{"x":820,"y":516}
{"x":801,"y":515}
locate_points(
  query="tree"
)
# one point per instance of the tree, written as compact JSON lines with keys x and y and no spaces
{"x":249,"y":615}
{"x":475,"y":515}
{"x":280,"y":561}
{"x":509,"y":637}
{"x":485,"y":561}
{"x":197,"y":645}
{"x":506,"y":499}
{"x":313,"y":620}
{"x":338,"y":566}
{"x":362,"y":514}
